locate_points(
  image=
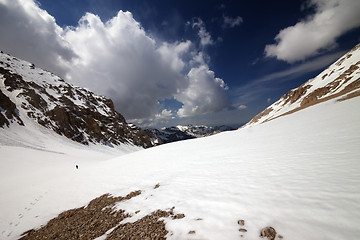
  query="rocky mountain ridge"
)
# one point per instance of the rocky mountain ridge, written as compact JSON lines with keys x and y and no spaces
{"x":340,"y":80}
{"x":76,"y":113}
{"x":178,"y":133}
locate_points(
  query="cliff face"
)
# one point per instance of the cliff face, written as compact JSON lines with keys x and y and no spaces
{"x":340,"y":80}
{"x":77,"y":113}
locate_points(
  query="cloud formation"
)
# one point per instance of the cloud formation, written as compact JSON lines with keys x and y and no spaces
{"x":317,"y":32}
{"x":31,"y":33}
{"x":210,"y":98}
{"x":261,"y":86}
{"x":117,"y":59}
{"x":302,"y":68}
{"x":241,"y":107}
{"x":230,"y":22}
{"x":205,"y":37}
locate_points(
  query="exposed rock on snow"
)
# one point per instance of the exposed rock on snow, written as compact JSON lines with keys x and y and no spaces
{"x":268,"y":232}
{"x":178,"y":216}
{"x":86,"y":222}
{"x":99,"y":218}
{"x":9,"y":109}
{"x":241,"y":222}
{"x":340,"y":79}
{"x":77,"y":113}
{"x":148,"y":227}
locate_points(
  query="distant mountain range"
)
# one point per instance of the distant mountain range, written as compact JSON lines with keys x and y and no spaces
{"x":31,"y":93}
{"x":178,"y":133}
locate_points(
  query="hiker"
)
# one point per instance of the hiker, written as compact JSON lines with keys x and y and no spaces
{"x":77,"y":167}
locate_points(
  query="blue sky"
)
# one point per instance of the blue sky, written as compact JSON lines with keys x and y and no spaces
{"x":182,"y":62}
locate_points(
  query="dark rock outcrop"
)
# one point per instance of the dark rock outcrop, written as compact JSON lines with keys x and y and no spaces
{"x":268,"y":232}
{"x":8,"y":111}
{"x":74,"y":112}
{"x":101,"y":218}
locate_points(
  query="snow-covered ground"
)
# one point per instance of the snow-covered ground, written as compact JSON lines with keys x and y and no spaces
{"x":298,"y":173}
{"x":32,"y":158}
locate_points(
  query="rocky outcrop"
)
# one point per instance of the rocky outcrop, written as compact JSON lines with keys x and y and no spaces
{"x":101,"y":218}
{"x":8,"y":112}
{"x":340,"y":80}
{"x":73,"y":112}
{"x":87,"y":222}
{"x":148,"y":227}
{"x":268,"y":232}
{"x":260,"y":115}
{"x":315,"y":96}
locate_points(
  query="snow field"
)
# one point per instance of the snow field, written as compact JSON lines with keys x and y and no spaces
{"x":37,"y":167}
{"x":298,"y":173}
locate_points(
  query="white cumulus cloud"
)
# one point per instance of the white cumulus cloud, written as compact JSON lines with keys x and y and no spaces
{"x":205,"y":93}
{"x":31,"y":33}
{"x":317,"y":32}
{"x":116,"y":58}
{"x":165,"y":113}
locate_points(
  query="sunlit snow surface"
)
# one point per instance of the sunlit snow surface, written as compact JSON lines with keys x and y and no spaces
{"x":299,"y":174}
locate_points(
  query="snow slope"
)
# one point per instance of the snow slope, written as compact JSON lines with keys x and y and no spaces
{"x":298,"y":173}
{"x":30,"y":158}
{"x":342,"y":78}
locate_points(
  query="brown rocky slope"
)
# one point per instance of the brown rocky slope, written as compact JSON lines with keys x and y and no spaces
{"x":340,"y":80}
{"x":76,"y":113}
